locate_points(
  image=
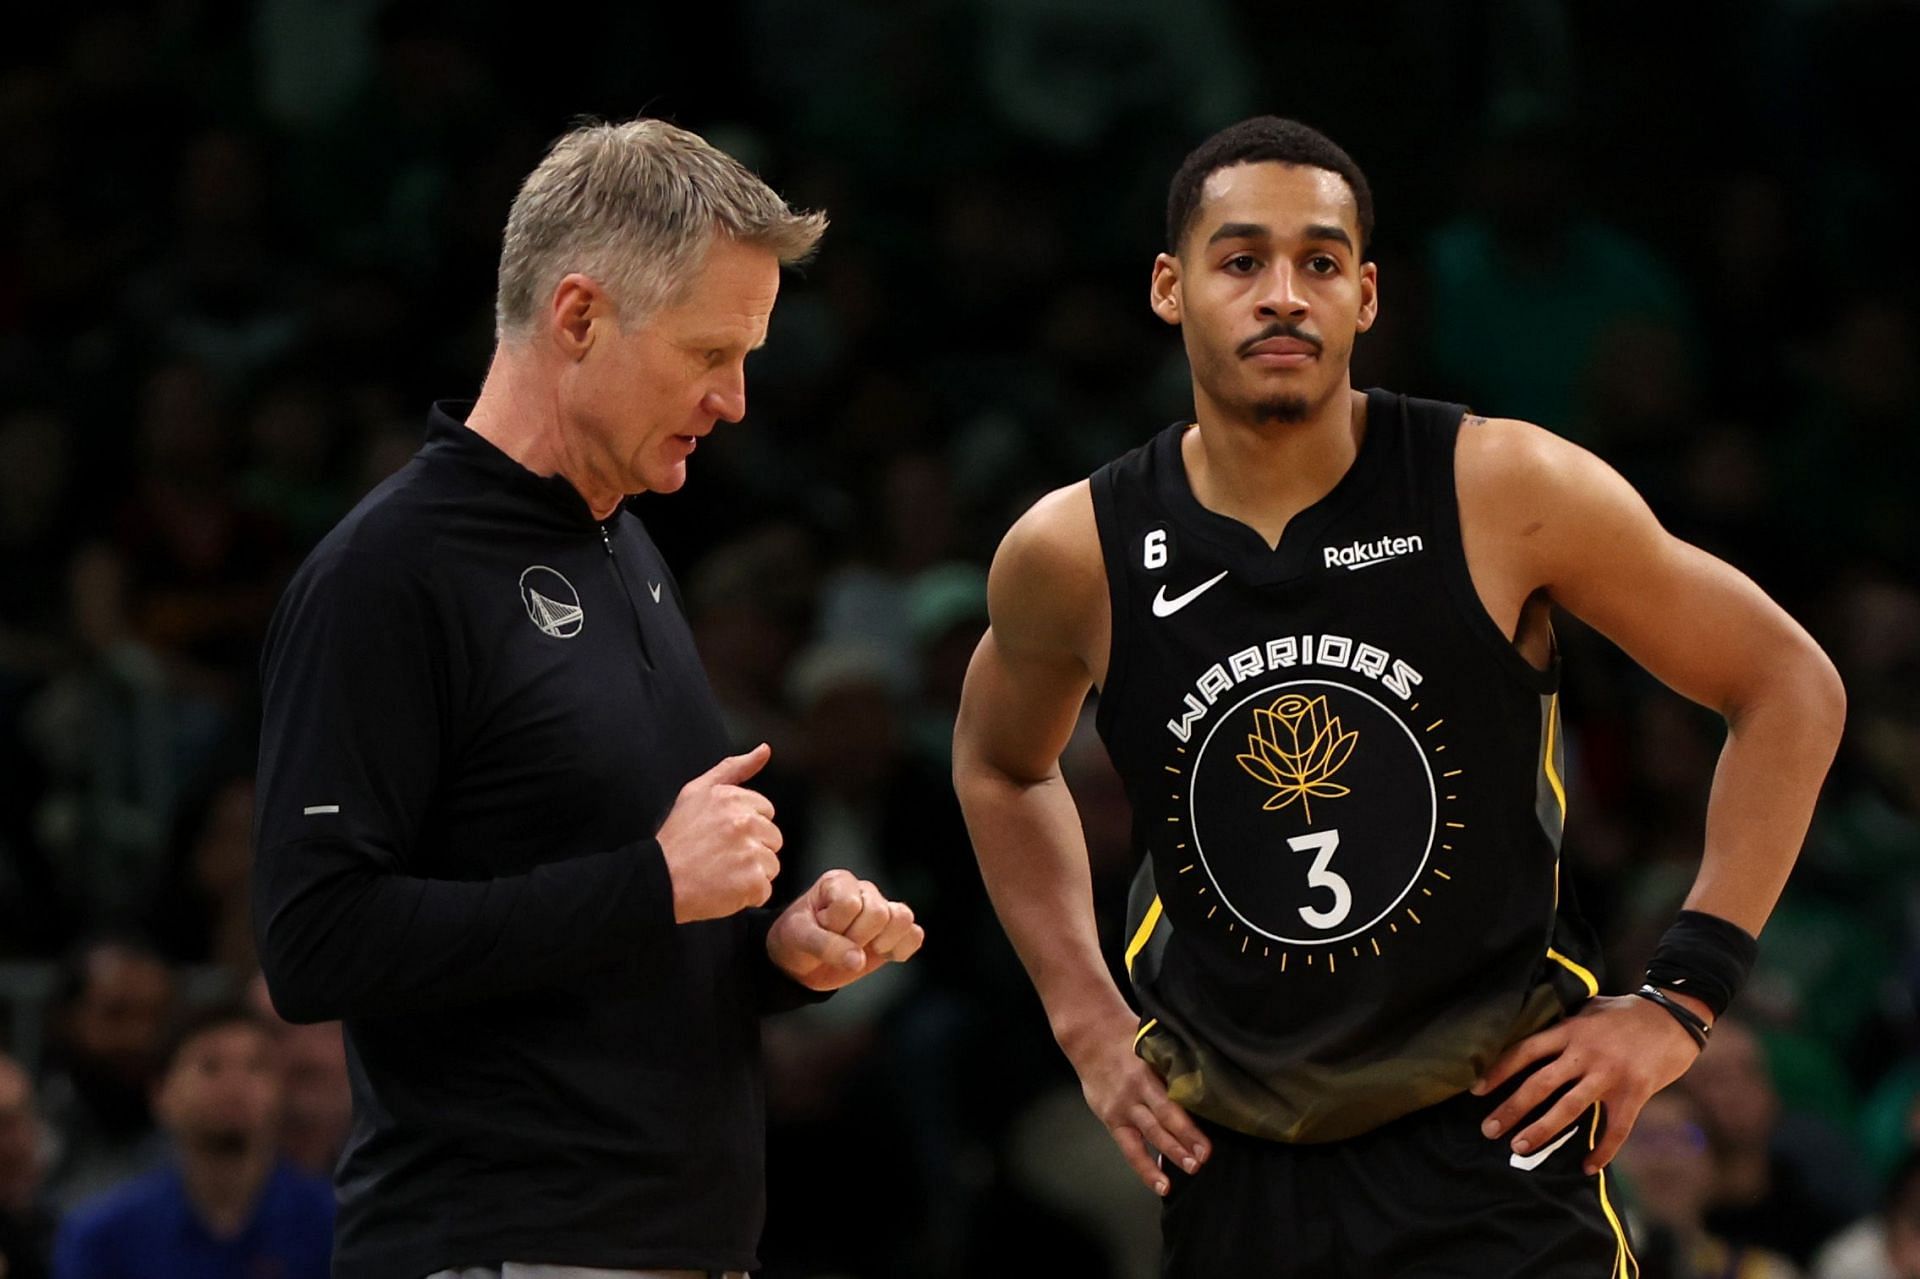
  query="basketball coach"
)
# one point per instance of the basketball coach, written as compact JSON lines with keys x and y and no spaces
{"x":497,"y":830}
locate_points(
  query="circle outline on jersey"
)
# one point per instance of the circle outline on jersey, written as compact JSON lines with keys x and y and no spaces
{"x":553,"y":615}
{"x":1433,"y":809}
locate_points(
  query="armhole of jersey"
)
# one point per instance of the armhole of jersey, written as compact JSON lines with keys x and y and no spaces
{"x":1459,"y":577}
{"x":1113,"y":542}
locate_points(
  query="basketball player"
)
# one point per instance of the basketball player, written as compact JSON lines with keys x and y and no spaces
{"x":1370,"y":1039}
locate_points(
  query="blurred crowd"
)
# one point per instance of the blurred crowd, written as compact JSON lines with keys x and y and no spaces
{"x":244,"y":244}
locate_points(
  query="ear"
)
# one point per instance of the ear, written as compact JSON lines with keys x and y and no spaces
{"x":1369,"y":295}
{"x":579,"y":308}
{"x":1163,"y":294}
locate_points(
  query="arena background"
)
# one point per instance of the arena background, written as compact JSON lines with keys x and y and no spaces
{"x":242,"y":246}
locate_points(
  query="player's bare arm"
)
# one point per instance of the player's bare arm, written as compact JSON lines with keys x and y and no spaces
{"x":1545,"y":520}
{"x":1046,"y":646}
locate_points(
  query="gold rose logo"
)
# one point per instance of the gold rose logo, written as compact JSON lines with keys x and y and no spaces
{"x":1296,"y":747}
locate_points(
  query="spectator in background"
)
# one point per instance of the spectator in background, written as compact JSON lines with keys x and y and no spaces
{"x":1855,"y":446}
{"x":1636,"y":398}
{"x":874,"y":1065}
{"x":294,"y":447}
{"x":37,"y":524}
{"x":202,"y":567}
{"x":1890,"y":1115}
{"x":1526,"y":287}
{"x":750,"y":599}
{"x":117,"y":995}
{"x":870,"y":805}
{"x":867,"y":599}
{"x":1784,"y":1186}
{"x":1068,"y":73}
{"x":946,"y":614}
{"x":319,"y":1108}
{"x":200,"y":912}
{"x":1749,"y":244}
{"x":227,"y":1205}
{"x":1669,"y":1170}
{"x":26,"y":1220}
{"x":387,"y":440}
{"x":98,"y":734}
{"x":857,"y":807}
{"x":221,"y":295}
{"x":1885,"y":1245}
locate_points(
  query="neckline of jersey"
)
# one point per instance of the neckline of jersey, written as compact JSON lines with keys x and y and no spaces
{"x":1248,"y":552}
{"x":448,"y":434}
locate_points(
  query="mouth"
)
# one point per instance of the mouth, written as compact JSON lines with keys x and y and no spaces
{"x":1281,"y":352}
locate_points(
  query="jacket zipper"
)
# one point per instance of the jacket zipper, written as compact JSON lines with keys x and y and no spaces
{"x":633,"y":607}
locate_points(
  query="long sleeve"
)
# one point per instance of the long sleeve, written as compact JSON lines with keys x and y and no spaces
{"x":774,"y":990}
{"x":358,"y":712}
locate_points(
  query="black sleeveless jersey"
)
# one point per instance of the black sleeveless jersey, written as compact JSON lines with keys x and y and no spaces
{"x":1346,"y":784}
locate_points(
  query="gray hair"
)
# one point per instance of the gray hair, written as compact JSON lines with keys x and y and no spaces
{"x":634,"y":206}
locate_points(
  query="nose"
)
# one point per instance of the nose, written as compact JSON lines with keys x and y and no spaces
{"x":726,"y":398}
{"x":1281,"y":299}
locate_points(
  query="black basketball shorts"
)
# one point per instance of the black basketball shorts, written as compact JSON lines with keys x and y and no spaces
{"x":1424,"y":1197}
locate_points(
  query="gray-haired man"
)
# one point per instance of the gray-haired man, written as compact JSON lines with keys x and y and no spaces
{"x":498,"y":830}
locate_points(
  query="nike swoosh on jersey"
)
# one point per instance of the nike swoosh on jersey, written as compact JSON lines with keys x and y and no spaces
{"x":1527,"y":1163}
{"x":1164,"y":607}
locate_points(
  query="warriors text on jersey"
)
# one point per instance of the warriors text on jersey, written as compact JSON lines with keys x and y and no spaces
{"x":1347,"y":785}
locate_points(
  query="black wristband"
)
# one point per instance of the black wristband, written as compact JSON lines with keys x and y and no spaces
{"x":1689,"y":1020}
{"x":1704,"y":956}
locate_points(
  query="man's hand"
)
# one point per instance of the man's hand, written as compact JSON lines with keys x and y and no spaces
{"x":1618,"y":1050}
{"x":1132,"y":1102}
{"x":840,"y":930}
{"x":720,"y":842}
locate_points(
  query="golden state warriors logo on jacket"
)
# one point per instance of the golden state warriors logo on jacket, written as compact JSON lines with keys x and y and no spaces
{"x":1346,"y":788}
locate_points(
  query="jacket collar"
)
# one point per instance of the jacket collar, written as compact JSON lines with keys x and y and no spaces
{"x":449,"y":438}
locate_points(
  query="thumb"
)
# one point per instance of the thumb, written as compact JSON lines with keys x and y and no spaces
{"x":735,"y":769}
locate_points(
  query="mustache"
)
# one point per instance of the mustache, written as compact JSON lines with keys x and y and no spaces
{"x":1279,"y":331}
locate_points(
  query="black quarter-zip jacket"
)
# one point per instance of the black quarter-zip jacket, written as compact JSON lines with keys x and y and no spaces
{"x":480,"y":705}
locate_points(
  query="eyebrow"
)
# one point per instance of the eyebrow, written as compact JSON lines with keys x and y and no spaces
{"x":1333,"y":233}
{"x":716,"y":341}
{"x":1238,"y":231}
{"x":1255,"y":231}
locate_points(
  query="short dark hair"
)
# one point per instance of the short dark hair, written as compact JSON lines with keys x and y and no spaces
{"x":204,"y":1019}
{"x":1263,"y":138}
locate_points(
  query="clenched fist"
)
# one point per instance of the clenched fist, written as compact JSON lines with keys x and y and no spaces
{"x":721,"y":845}
{"x":840,"y":930}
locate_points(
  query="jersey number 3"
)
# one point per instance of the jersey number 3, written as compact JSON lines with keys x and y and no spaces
{"x":1322,"y":845}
